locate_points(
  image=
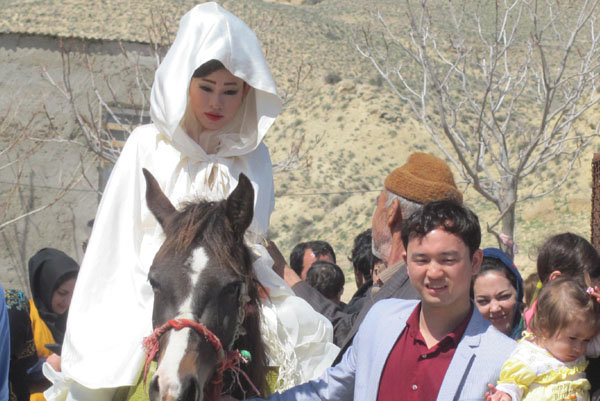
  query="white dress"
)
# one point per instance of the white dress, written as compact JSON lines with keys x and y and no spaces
{"x":112,"y":303}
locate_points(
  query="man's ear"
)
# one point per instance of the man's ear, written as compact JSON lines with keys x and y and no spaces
{"x":476,"y":261}
{"x":554,"y":275}
{"x":393,"y":215}
{"x":404,"y":256}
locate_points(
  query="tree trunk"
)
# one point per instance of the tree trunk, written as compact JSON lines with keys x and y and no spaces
{"x":508,"y":204}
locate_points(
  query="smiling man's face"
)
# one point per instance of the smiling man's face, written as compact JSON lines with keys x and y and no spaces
{"x":440,"y":268}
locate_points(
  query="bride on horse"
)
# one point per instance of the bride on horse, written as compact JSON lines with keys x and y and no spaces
{"x":212,"y":102}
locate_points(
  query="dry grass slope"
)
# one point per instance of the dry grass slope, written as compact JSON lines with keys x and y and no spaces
{"x":365,"y":132}
{"x":358,"y":132}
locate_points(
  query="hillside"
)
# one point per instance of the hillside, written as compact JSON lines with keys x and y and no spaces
{"x":355,"y":132}
{"x":362,"y":132}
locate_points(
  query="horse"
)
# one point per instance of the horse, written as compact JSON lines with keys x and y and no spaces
{"x":206,"y":299}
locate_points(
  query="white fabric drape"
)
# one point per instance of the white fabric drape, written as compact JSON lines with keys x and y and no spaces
{"x":112,"y":304}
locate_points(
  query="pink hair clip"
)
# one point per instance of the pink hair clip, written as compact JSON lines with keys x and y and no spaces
{"x":588,"y":281}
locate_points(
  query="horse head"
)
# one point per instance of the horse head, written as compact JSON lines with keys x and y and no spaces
{"x":205,"y":295}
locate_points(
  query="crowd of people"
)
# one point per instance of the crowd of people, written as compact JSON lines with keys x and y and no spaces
{"x":434,"y":316}
{"x":556,"y":326}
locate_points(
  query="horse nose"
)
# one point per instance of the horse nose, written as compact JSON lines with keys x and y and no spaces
{"x":153,"y":391}
{"x":189,"y":391}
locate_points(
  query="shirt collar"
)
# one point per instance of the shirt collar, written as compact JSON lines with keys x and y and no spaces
{"x":385,"y":274}
{"x":412,"y":325}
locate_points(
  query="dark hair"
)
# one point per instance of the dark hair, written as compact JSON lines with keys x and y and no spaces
{"x":493,"y":264}
{"x":296,"y":257}
{"x":497,"y":259}
{"x":327,"y":278}
{"x":362,"y":254}
{"x":452,"y":217}
{"x":562,"y":302}
{"x":319,"y":248}
{"x":208,"y":68}
{"x":569,"y":254}
{"x":64,"y":278}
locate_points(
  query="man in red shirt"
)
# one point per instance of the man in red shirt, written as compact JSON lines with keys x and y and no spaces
{"x":441,"y":261}
{"x":440,"y":348}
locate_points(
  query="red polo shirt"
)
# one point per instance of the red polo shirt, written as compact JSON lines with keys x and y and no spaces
{"x":413,"y":371}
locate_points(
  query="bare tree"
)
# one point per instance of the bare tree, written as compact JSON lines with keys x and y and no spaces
{"x":21,"y":198}
{"x":16,"y":151}
{"x":498,"y":87}
{"x":102,"y":99}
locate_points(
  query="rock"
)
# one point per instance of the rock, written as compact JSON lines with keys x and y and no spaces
{"x":373,"y":109}
{"x":346,"y":85}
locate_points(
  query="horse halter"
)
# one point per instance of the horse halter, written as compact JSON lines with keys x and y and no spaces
{"x":226,"y":359}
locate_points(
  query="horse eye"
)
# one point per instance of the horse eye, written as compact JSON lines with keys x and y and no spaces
{"x":233,"y":288}
{"x":154,"y":284}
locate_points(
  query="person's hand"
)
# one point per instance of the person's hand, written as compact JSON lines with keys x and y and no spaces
{"x":54,"y":361}
{"x":280,"y":266}
{"x":495,"y":395}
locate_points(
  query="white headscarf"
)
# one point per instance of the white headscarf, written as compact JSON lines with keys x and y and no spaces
{"x":209,"y":32}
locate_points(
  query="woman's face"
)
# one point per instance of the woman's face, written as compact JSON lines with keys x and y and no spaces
{"x":495,"y":298}
{"x":61,"y":297}
{"x":215,"y":98}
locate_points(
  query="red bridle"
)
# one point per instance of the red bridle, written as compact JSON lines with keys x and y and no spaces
{"x":226,"y":360}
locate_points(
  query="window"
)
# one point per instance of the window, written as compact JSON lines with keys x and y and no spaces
{"x":122,"y":121}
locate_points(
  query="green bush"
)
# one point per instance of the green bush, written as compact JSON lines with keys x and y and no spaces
{"x":332,"y":78}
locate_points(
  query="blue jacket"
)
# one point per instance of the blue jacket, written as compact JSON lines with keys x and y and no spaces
{"x":476,"y":362}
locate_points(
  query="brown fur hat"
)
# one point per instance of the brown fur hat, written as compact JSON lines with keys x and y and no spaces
{"x":424,"y":178}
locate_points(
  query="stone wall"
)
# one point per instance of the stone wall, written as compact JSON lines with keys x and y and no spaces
{"x":26,"y":97}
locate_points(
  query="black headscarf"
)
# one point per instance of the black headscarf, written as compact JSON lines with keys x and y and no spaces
{"x":48,"y":269}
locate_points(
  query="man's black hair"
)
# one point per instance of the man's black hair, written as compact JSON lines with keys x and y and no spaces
{"x":327,"y":278}
{"x":452,"y":217}
{"x":362,"y":254}
{"x":319,"y":248}
{"x":296,"y":257}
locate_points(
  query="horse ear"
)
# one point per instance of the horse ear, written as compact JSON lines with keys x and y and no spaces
{"x":240,"y":205}
{"x":158,"y":203}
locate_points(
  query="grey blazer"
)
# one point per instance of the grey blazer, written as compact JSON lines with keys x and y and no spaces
{"x":476,"y":362}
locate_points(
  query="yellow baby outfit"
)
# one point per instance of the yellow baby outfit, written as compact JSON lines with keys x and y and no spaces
{"x":532,"y":374}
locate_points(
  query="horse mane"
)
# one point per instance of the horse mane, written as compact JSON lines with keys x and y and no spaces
{"x":252,"y":341}
{"x":205,"y":222}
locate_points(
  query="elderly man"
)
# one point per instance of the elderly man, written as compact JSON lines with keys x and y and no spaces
{"x":422,"y":179}
{"x":439,"y":348}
